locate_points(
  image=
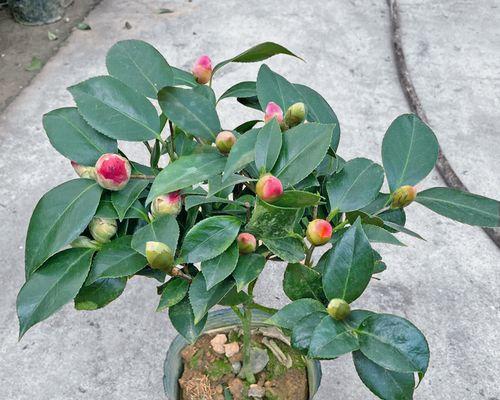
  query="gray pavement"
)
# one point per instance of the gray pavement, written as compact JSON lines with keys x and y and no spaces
{"x":448,"y":286}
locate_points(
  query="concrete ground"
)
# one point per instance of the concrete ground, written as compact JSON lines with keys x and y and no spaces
{"x":448,"y":286}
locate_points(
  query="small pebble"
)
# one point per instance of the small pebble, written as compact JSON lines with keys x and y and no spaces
{"x":236,"y":366}
{"x":231,"y":349}
{"x":218,"y":342}
{"x":256,"y":391}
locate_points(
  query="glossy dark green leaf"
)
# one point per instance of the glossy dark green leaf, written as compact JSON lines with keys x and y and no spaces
{"x":116,"y":110}
{"x":149,"y":272}
{"x":292,"y":313}
{"x":209,"y":238}
{"x":106,"y":209}
{"x":356,"y":317}
{"x":173,"y":292}
{"x":241,"y":89}
{"x":289,"y":248}
{"x":164,"y":230}
{"x":123,"y":199}
{"x":269,"y":221}
{"x":385,"y":384}
{"x":203,"y":299}
{"x":393,"y":343}
{"x":402,"y":229}
{"x":268,"y":145}
{"x":184,"y":145}
{"x":183,"y":78}
{"x":464,"y":207}
{"x":207,"y":92}
{"x":190,"y":111}
{"x":247,"y":269}
{"x":376,"y":234}
{"x":274,"y":87}
{"x":187,"y":171}
{"x":219,"y":268}
{"x":301,"y":282}
{"x":194,"y":201}
{"x":242,"y":153}
{"x":140,"y":66}
{"x":331,"y":339}
{"x":250,"y":102}
{"x":303,"y":148}
{"x":71,"y":136}
{"x":303,"y":331}
{"x":297,"y":199}
{"x":355,"y":186}
{"x":59,"y":217}
{"x":349,"y":266}
{"x":52,"y":286}
{"x":182,"y":318}
{"x":100,"y":293}
{"x":116,"y":259}
{"x":234,"y":298}
{"x":409,"y":151}
{"x":246,"y":126}
{"x":216,"y":184}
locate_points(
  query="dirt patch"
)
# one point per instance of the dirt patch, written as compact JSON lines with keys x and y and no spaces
{"x":210,"y":374}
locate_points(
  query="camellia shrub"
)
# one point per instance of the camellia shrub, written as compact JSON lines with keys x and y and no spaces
{"x":228,"y":201}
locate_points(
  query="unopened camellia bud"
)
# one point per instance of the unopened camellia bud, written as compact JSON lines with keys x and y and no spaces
{"x":83,"y":171}
{"x":295,"y":114}
{"x":103,"y":229}
{"x":274,"y":111}
{"x":170,"y":204}
{"x":225,"y":141}
{"x":112,"y":171}
{"x":319,"y":232}
{"x":338,"y":309}
{"x":403,"y":196}
{"x":202,"y":69}
{"x":269,"y":188}
{"x":246,"y":243}
{"x":160,"y":256}
{"x":85,"y":242}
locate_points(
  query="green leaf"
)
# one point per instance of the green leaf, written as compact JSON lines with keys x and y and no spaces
{"x":251,"y":102}
{"x":303,"y":148}
{"x":301,"y":282}
{"x":190,"y":111}
{"x":402,"y":229}
{"x":182,"y":318}
{"x":216,"y":184}
{"x":207,"y":92}
{"x":393,"y":343}
{"x":59,"y":217}
{"x":247,"y":269}
{"x":289,"y":248}
{"x":116,"y":259}
{"x":82,"y":26}
{"x":209,"y":238}
{"x":260,"y":52}
{"x":183,"y":78}
{"x":194,"y":201}
{"x":331,"y":339}
{"x":52,"y":286}
{"x":100,"y":293}
{"x":35,"y":65}
{"x":173,"y":292}
{"x":106,"y":209}
{"x":242,"y":153}
{"x":116,"y":110}
{"x":203,"y":299}
{"x":124,"y":199}
{"x":349,"y":266}
{"x":140,"y":66}
{"x":385,"y":384}
{"x":241,"y":89}
{"x":219,"y":268}
{"x":297,"y":199}
{"x":270,"y":221}
{"x":71,"y":136}
{"x":246,"y":126}
{"x":409,"y":151}
{"x":268,"y":145}
{"x":164,"y":230}
{"x":234,"y":298}
{"x":356,"y":186}
{"x":303,"y":331}
{"x":376,"y":234}
{"x":273,"y":87}
{"x":187,"y":171}
{"x":464,"y":207}
{"x":292,"y":313}
{"x":320,"y":111}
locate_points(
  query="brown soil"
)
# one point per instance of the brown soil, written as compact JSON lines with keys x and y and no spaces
{"x":208,"y":375}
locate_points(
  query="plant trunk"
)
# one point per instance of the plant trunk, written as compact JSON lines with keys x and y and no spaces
{"x":247,"y":344}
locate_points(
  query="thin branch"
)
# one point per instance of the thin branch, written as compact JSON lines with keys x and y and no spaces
{"x":140,"y":176}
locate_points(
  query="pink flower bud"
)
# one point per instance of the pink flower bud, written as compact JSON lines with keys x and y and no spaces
{"x":273,"y":111}
{"x":319,"y":232}
{"x":403,"y":196}
{"x":246,"y":243}
{"x":112,"y":171}
{"x":103,"y":229}
{"x":225,"y":141}
{"x":159,"y":256}
{"x":170,"y":204}
{"x":269,"y":188}
{"x":82,"y":171}
{"x":202,"y":69}
{"x":338,"y":309}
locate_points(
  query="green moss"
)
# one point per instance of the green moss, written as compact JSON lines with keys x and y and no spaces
{"x":233,"y":336}
{"x":274,"y":368}
{"x":218,"y":369}
{"x":270,"y":396}
{"x":195,"y":361}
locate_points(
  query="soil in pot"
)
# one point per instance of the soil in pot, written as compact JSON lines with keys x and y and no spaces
{"x":212,"y":365}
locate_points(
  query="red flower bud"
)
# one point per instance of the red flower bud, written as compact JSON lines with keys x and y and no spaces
{"x":403,"y":196}
{"x":269,"y":188}
{"x":338,"y":309}
{"x":202,"y":69}
{"x":170,"y":203}
{"x":83,"y":171}
{"x":273,"y":111}
{"x":319,"y":232}
{"x":225,"y":141}
{"x":112,"y":171}
{"x":246,"y":243}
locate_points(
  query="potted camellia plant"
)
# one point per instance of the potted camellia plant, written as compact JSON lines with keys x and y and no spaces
{"x":214,"y":205}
